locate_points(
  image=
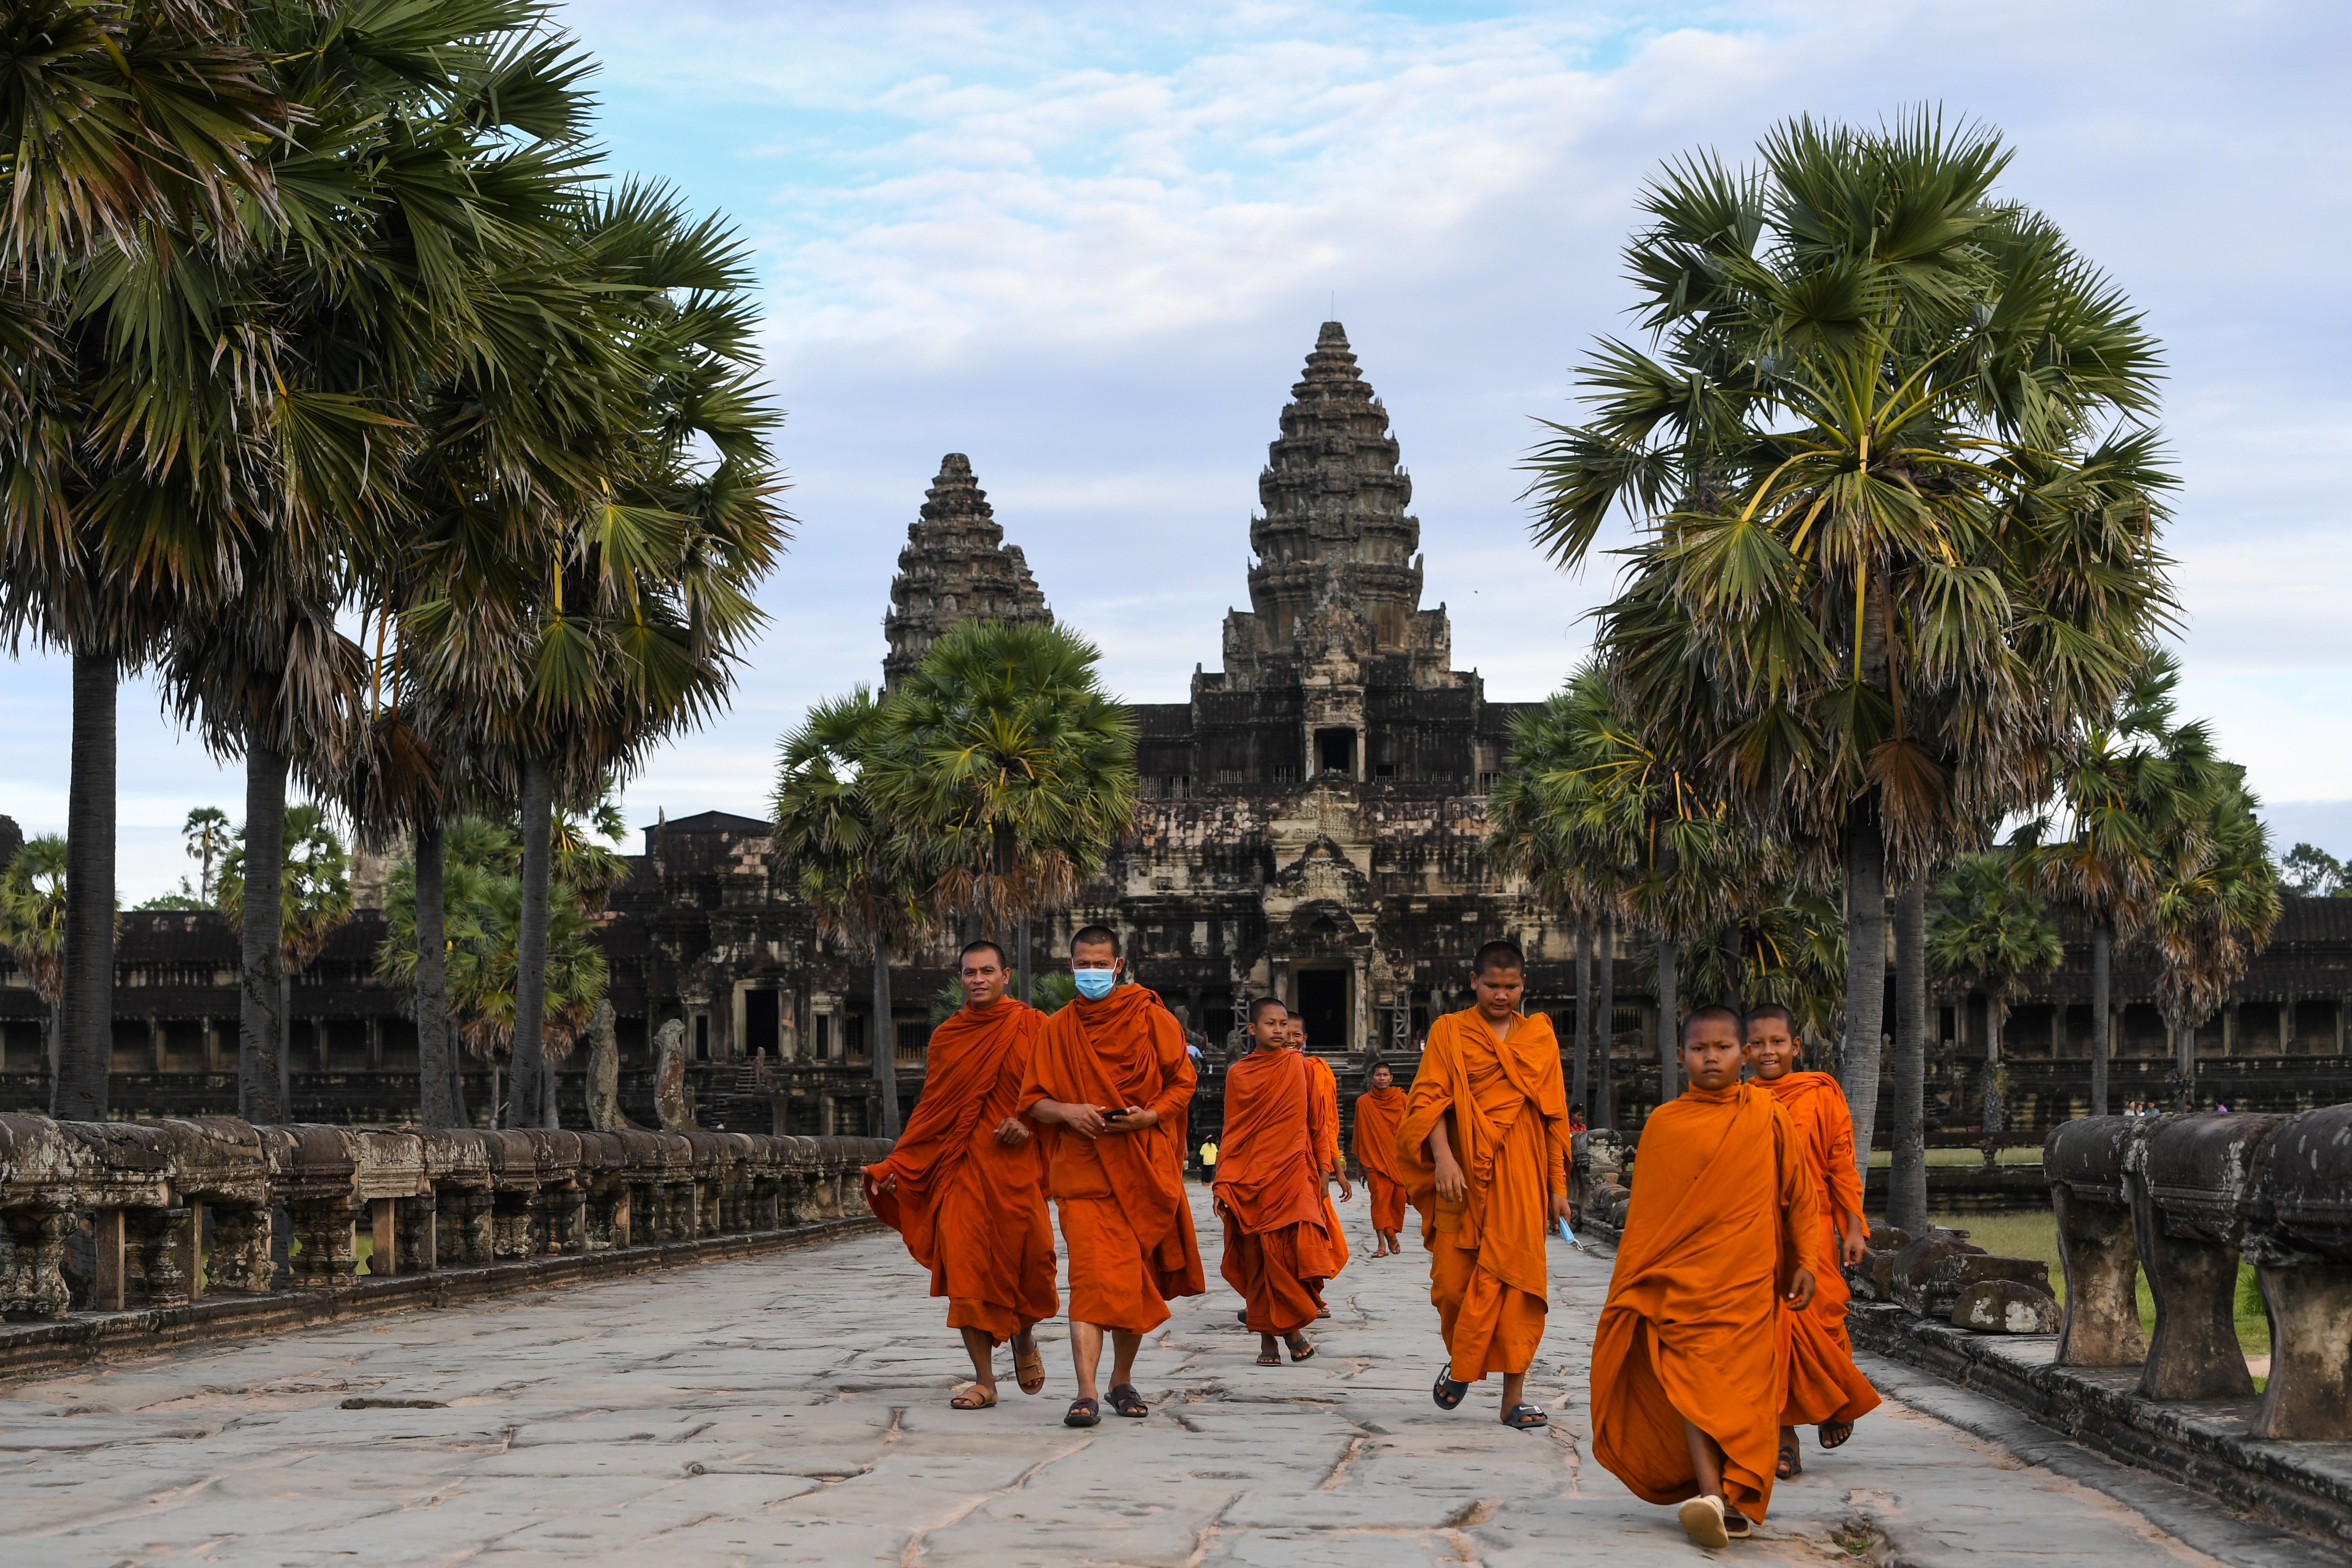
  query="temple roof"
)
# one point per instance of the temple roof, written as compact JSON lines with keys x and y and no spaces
{"x":956,"y":568}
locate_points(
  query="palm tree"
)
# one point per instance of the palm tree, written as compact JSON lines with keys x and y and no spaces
{"x":311,"y":898}
{"x":207,"y":835}
{"x":1892,"y":541}
{"x":1004,"y":747}
{"x":1990,"y":934}
{"x":864,"y":871}
{"x":2215,"y":903}
{"x":33,"y":904}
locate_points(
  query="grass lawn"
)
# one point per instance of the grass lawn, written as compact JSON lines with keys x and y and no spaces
{"x":2034,"y":1234}
{"x":2030,"y":1154}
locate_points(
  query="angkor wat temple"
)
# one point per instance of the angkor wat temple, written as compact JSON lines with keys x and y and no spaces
{"x":1312,"y":824}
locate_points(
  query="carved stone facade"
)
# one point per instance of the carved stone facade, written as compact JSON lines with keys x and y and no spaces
{"x":956,"y":568}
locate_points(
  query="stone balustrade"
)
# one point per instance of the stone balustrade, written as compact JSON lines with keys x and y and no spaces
{"x":2181,"y":1199}
{"x":180,"y":1210}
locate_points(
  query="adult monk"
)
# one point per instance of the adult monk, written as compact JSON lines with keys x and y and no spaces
{"x":1379,"y":1111}
{"x":965,"y":1184}
{"x":1484,"y":1151}
{"x":1826,"y":1391}
{"x":1687,"y":1366}
{"x":1269,"y":1189}
{"x":1332,"y":1162}
{"x":1108,"y":1087}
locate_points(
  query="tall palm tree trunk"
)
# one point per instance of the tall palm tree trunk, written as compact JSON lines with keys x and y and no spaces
{"x":261,"y":1022}
{"x":1906,"y":1190}
{"x":2103,"y":958}
{"x":78,"y":1090}
{"x":1577,"y":1091}
{"x":2184,"y":1066}
{"x":1604,"y":1040}
{"x":436,"y":1072}
{"x":1994,"y":1007}
{"x":1865,"y":975}
{"x":532,"y":1097}
{"x":883,"y":1047}
{"x":1670,"y":1017}
{"x":1021,"y":940}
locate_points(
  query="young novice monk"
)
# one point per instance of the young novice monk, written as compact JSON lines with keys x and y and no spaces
{"x":1269,"y":1189}
{"x":1108,"y":1087}
{"x":1334,"y":1164}
{"x":1826,"y":1390}
{"x":1378,"y":1111}
{"x":965,"y":1184}
{"x":1687,"y":1366}
{"x":1483,"y":1150}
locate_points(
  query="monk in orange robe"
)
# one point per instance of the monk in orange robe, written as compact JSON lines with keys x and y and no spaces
{"x":1379,"y":1111}
{"x":1270,"y":1162}
{"x":1484,"y":1151}
{"x":1334,"y":1167}
{"x":1687,"y":1364}
{"x":965,"y":1184}
{"x":1109,"y":1085}
{"x":1826,"y":1391}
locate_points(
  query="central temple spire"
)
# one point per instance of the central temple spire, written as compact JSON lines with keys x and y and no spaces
{"x":956,"y":568}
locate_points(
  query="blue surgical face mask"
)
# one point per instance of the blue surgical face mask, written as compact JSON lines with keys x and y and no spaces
{"x":1094,"y":985}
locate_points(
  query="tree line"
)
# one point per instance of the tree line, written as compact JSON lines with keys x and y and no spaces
{"x":1886,"y":626}
{"x":416,"y":454}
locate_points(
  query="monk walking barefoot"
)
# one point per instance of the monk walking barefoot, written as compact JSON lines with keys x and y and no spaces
{"x":1687,"y":1360}
{"x":965,"y":1184}
{"x":1333,"y":1164}
{"x":1826,"y":1391}
{"x":1109,"y":1085}
{"x":1484,"y":1151}
{"x":1269,"y":1189}
{"x":1380,"y":1110}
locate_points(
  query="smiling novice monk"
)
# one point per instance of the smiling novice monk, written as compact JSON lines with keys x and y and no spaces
{"x":1826,"y":1390}
{"x":1269,"y":1187}
{"x":1687,"y":1366}
{"x":1108,"y":1085}
{"x":965,"y":1184}
{"x":1484,"y":1151}
{"x":1379,"y":1110}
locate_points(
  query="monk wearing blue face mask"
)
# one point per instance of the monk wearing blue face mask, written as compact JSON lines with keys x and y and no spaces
{"x":1109,"y":1084}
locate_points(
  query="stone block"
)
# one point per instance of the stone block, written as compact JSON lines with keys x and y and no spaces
{"x":2004,"y":1306}
{"x":1907,"y":1278}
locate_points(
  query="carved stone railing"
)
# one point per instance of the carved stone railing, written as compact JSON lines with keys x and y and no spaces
{"x":2182,"y":1199}
{"x":179,"y":1210}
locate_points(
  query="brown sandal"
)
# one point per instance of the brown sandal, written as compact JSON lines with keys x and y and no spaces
{"x":1029,"y":1369}
{"x":1842,"y":1430}
{"x":973,"y":1396}
{"x":1792,"y":1460}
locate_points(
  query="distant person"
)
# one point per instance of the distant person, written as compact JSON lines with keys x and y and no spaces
{"x":1687,"y":1360}
{"x":1483,"y":1148}
{"x":1270,"y":1193}
{"x":965,"y":1183}
{"x":1826,"y":1391}
{"x":1108,"y":1085}
{"x":1380,"y":1110}
{"x":1208,"y":1160}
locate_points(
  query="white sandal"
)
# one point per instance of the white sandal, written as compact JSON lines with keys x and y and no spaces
{"x":1702,"y":1520}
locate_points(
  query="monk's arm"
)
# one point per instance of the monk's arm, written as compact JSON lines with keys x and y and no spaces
{"x":1846,"y":1194}
{"x":1452,"y":1185}
{"x":1086,"y":1121}
{"x":1800,"y":1222}
{"x":1556,"y":1172}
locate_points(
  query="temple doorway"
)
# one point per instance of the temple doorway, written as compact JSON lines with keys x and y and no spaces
{"x":1323,"y":1008}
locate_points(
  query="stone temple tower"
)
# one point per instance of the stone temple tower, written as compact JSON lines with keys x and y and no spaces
{"x":956,"y":568}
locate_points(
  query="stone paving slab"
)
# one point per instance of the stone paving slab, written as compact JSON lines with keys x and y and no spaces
{"x":792,"y":1410}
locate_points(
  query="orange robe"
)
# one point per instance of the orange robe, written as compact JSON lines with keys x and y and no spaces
{"x":1723,"y":1211}
{"x":1506,"y":1116}
{"x":1823,"y":1383}
{"x":1326,"y":1154}
{"x":972,"y":1210}
{"x":1126,"y":1222}
{"x":1270,"y":1191}
{"x":1378,"y":1112}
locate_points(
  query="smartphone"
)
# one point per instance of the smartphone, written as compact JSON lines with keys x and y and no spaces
{"x":1114,"y":1116}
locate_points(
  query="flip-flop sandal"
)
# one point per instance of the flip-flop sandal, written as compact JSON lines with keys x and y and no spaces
{"x":1128,"y":1402}
{"x":1845,"y":1429}
{"x":1295,"y":1341}
{"x":1029,"y":1371}
{"x":1323,"y":1311}
{"x":1273,"y":1358}
{"x":1525,"y":1419}
{"x":1242,"y":1316}
{"x":1703,"y":1521}
{"x":1083,"y":1412}
{"x":1448,"y":1393}
{"x":1736,"y":1523}
{"x":1792,"y":1461}
{"x":971,"y":1396}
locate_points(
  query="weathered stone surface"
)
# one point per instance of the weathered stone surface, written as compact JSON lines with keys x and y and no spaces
{"x":956,"y":568}
{"x":1907,"y":1280}
{"x":2006,"y":1306}
{"x":794,"y":1410}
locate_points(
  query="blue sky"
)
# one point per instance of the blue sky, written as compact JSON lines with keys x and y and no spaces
{"x":1089,"y":246}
